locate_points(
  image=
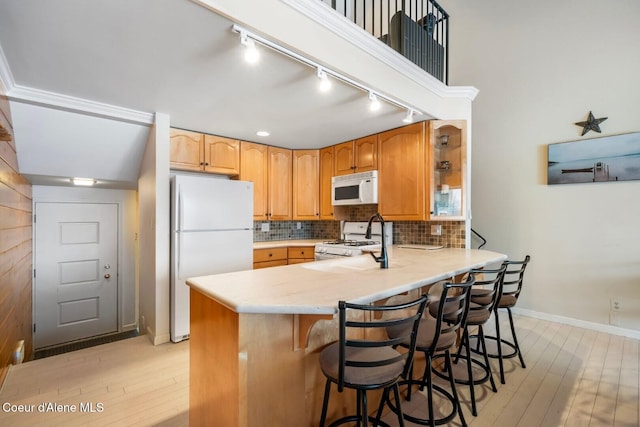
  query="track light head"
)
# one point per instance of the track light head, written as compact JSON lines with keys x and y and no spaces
{"x":325,"y":83}
{"x":408,"y":118}
{"x":374,"y":103}
{"x":251,"y":54}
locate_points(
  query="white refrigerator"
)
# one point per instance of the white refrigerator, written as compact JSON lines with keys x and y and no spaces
{"x":211,"y":232}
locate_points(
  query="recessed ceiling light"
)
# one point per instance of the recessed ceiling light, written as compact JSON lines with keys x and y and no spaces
{"x":262,"y":133}
{"x":87,"y":182}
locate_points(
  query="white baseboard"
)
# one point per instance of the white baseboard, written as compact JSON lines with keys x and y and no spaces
{"x":599,"y":327}
{"x":157,"y":339}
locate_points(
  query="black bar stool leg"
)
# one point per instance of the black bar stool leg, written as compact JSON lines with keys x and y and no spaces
{"x":325,"y":403}
{"x":486,"y":359}
{"x":515,"y":340}
{"x":452,"y":383}
{"x":499,"y":342}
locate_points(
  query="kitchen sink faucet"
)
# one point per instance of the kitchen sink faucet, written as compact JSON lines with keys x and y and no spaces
{"x":383,"y":259}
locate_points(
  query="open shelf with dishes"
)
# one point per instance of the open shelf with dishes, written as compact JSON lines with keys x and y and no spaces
{"x":448,"y":180}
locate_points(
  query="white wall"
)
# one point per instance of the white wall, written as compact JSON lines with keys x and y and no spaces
{"x":540,"y":67}
{"x":128,"y":229}
{"x":153,"y":199}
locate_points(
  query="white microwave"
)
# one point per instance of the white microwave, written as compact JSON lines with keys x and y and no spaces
{"x":355,"y":189}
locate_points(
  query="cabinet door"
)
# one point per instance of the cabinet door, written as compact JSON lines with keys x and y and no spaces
{"x":366,"y":153}
{"x":326,"y":173}
{"x":221,"y":155}
{"x":402,"y":173}
{"x":343,"y":160}
{"x":185,"y":150}
{"x":306,"y":183}
{"x":280,"y":181}
{"x":254,"y":167}
{"x":448,"y":145}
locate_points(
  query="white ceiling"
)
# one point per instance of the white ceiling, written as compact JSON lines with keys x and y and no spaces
{"x":175,"y":57}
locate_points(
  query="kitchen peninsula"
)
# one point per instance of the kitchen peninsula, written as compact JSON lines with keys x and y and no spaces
{"x":256,"y":334}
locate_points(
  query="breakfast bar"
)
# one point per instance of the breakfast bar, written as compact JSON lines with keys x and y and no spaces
{"x":256,"y":334}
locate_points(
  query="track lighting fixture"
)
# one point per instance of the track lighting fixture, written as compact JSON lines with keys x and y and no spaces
{"x":325,"y":83}
{"x":408,"y":118}
{"x":374,"y":104}
{"x":249,"y":40}
{"x":251,"y":54}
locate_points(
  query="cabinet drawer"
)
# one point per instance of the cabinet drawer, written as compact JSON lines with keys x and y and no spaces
{"x":299,"y":260}
{"x":302,"y":252}
{"x":269,"y":254}
{"x":265,"y":264}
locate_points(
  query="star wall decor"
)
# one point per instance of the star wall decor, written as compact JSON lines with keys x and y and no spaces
{"x":591,"y":124}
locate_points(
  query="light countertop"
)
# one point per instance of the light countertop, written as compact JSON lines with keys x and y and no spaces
{"x":286,"y":243}
{"x":316,"y":287}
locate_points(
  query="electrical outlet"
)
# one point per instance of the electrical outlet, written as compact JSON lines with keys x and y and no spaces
{"x":299,"y":225}
{"x":264,"y":226}
{"x":436,"y":230}
{"x":615,"y":304}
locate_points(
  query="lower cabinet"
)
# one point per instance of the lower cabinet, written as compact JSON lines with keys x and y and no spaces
{"x":273,"y":257}
{"x":300,"y":254}
{"x":269,"y":257}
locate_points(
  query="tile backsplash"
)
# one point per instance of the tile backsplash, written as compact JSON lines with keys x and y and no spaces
{"x":405,"y":232}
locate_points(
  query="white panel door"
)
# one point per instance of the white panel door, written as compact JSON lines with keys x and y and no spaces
{"x":76,"y":264}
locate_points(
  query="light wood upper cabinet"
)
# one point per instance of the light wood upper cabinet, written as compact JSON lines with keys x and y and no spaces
{"x":448,"y":153}
{"x":402,"y":174}
{"x":366,"y":153}
{"x":326,"y":173}
{"x":356,"y":156}
{"x":254,"y":168}
{"x":280,"y":182}
{"x":221,"y":155}
{"x":343,"y":160}
{"x":269,"y":168}
{"x":186,"y":150}
{"x":193,"y":151}
{"x":306,"y":184}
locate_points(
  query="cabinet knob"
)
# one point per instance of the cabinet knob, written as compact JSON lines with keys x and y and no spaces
{"x":270,"y":254}
{"x":206,"y":164}
{"x":201,"y":163}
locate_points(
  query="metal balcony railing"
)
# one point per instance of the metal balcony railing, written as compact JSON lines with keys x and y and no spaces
{"x":417,"y":29}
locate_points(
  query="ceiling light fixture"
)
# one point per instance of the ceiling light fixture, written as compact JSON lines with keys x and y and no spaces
{"x":262,"y":133}
{"x":251,"y":54}
{"x":87,"y":182}
{"x":325,"y":83}
{"x":247,"y":37}
{"x":374,"y":104}
{"x":408,"y":118}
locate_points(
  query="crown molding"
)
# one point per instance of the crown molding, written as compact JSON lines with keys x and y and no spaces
{"x":6,"y":78}
{"x":17,"y":92}
{"x":71,"y":103}
{"x":342,"y":27}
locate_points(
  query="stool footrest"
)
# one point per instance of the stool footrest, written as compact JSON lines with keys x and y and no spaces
{"x":482,"y":380}
{"x":509,"y":344}
{"x":422,"y":421}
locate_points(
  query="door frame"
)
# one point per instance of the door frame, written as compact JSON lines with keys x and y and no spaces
{"x":127,"y":235}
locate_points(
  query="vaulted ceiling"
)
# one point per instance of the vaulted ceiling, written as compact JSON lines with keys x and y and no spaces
{"x":168,"y":56}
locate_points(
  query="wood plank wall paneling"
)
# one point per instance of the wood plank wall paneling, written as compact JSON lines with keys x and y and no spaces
{"x":15,"y":252}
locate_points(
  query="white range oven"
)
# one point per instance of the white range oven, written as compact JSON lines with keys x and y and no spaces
{"x":354,"y":241}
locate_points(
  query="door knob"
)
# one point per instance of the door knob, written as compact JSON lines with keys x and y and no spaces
{"x":107,"y":276}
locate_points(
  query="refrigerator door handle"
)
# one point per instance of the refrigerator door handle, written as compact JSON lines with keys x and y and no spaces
{"x":179,"y":233}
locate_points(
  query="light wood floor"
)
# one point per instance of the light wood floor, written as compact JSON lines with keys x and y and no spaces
{"x":574,"y":377}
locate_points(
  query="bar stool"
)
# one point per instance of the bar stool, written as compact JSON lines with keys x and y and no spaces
{"x":364,"y":357}
{"x":479,"y":313}
{"x":512,"y":285}
{"x":437,"y":333}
